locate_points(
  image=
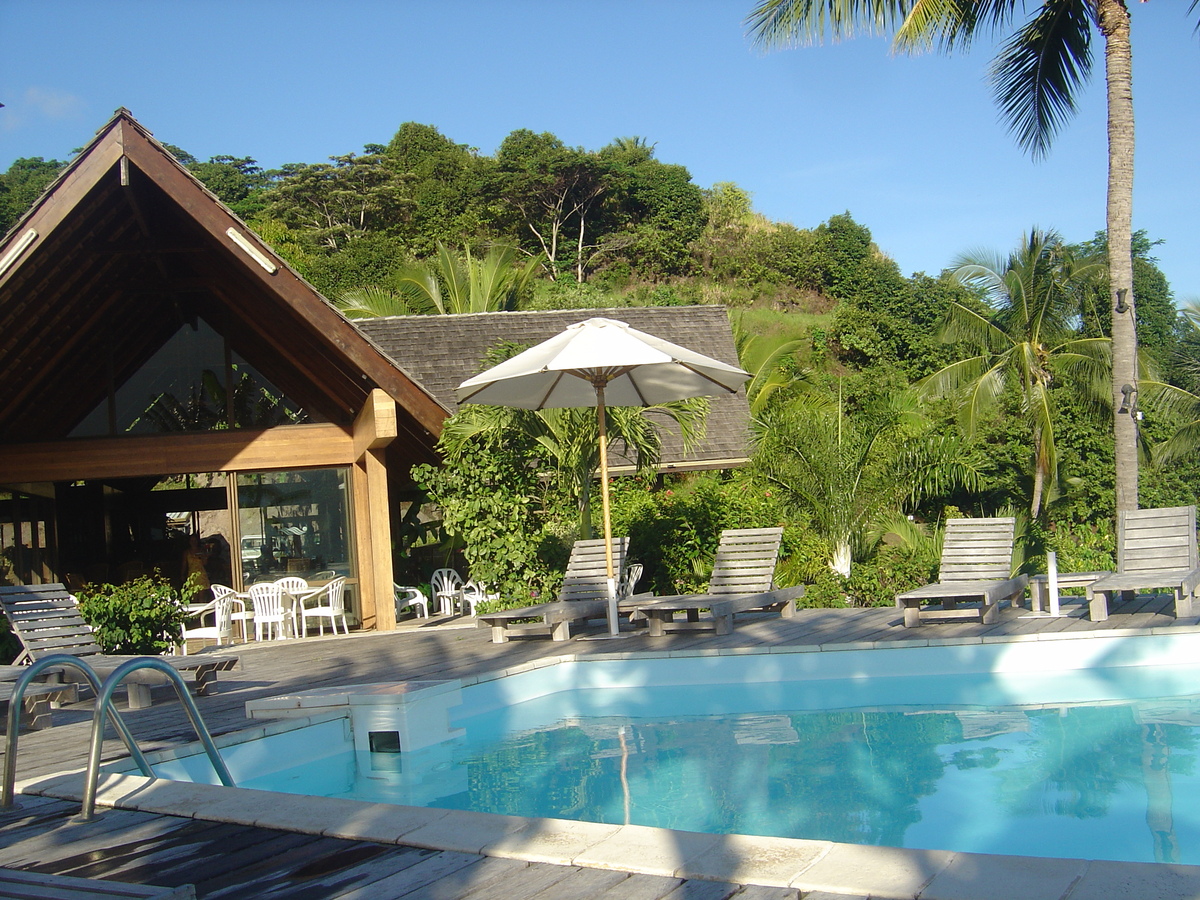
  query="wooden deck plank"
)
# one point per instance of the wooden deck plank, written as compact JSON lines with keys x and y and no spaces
{"x":643,"y":887}
{"x":581,"y":885}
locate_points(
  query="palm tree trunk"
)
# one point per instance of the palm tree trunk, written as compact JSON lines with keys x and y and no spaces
{"x":1118,"y":62}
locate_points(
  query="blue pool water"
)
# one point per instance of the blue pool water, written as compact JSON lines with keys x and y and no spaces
{"x":1090,"y":761}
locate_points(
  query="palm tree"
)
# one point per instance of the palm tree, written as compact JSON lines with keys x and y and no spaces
{"x":1037,"y":74}
{"x":451,"y":284}
{"x":1025,"y":338}
{"x":849,"y":474}
{"x":1180,"y":402}
{"x":765,"y":357}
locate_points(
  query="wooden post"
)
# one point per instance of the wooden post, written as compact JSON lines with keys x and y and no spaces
{"x":374,"y":428}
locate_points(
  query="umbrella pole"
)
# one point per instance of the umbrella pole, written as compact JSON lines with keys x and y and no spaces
{"x":613,"y":625}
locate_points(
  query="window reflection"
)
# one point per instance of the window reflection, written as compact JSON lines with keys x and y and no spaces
{"x":294,"y":523}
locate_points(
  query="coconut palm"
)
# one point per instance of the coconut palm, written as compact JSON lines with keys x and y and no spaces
{"x":450,"y":284}
{"x":1179,"y":402}
{"x":1040,"y":68}
{"x":1024,"y":340}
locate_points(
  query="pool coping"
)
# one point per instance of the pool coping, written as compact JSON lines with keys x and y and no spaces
{"x":886,"y":873}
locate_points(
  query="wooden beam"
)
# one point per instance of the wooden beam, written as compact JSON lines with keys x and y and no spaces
{"x":374,"y":429}
{"x":378,"y":572}
{"x":361,"y":492}
{"x":375,"y":425}
{"x":286,"y":284}
{"x":285,"y":447}
{"x":80,"y":178}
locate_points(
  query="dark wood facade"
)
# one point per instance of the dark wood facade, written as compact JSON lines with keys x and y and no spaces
{"x":124,"y":249}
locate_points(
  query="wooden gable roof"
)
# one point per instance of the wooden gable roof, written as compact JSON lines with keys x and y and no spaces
{"x":126,"y":246}
{"x":443,"y":351}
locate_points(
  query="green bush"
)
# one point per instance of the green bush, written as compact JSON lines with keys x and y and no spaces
{"x":828,"y":591}
{"x":893,"y":570}
{"x":143,"y":616}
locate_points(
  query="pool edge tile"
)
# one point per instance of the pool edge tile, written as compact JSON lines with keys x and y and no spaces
{"x":549,"y":840}
{"x":883,"y":872}
{"x":464,"y":831}
{"x":650,"y":851}
{"x":746,"y":859}
{"x":985,"y":876}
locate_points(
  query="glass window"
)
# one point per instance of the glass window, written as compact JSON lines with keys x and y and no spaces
{"x":185,"y":387}
{"x":294,"y":523}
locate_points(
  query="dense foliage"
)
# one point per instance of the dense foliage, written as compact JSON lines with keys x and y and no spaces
{"x":882,"y":403}
{"x":142,"y":616}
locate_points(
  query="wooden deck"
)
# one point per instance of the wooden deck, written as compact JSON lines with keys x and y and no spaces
{"x":238,"y":861}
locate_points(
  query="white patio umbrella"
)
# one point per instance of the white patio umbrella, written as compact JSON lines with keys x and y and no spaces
{"x":601,"y":362}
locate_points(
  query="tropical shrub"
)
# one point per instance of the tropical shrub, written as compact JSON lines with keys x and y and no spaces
{"x":142,"y":616}
{"x":493,"y":506}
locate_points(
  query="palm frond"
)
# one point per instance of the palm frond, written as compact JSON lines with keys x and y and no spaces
{"x":970,"y":327}
{"x":375,"y":302}
{"x":789,"y":23}
{"x":1039,"y":70}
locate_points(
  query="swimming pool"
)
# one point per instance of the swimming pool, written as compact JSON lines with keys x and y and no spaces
{"x":1080,"y":748}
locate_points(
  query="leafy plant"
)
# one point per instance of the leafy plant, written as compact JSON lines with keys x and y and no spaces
{"x":493,"y":505}
{"x":142,"y":616}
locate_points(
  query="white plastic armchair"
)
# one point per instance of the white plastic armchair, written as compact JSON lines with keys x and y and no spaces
{"x":407,"y":595}
{"x":330,"y":604}
{"x":446,"y":585}
{"x":473,"y":593}
{"x":633,"y":574}
{"x":219,"y":631}
{"x":238,"y":611}
{"x":297,"y":591}
{"x":269,"y":614}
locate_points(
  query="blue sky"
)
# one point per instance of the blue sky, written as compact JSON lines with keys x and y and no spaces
{"x":911,"y":146}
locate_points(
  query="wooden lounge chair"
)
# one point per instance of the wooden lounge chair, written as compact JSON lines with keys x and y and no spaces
{"x":35,"y":711}
{"x":16,"y":883}
{"x":742,"y":579}
{"x":46,"y":619}
{"x":584,"y":595}
{"x":976,"y":568}
{"x":1156,"y":548}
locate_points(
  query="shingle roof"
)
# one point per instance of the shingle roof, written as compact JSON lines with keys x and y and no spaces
{"x":441,"y":352}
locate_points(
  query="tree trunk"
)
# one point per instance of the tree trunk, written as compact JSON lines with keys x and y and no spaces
{"x":1118,"y":63}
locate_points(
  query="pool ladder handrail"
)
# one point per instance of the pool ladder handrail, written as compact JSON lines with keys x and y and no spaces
{"x":104,"y":705}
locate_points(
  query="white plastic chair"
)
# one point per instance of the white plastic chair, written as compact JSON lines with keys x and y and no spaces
{"x":333,"y":608}
{"x":633,"y":574}
{"x":472,"y":594}
{"x":238,"y":611}
{"x":406,"y":595}
{"x":297,"y":589}
{"x":446,"y":585}
{"x":219,"y":631}
{"x":269,"y":614}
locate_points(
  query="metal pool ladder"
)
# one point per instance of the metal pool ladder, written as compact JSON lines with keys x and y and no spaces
{"x":104,"y":705}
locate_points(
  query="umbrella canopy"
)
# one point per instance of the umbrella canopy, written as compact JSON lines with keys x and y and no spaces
{"x":601,"y":362}
{"x":635,"y":369}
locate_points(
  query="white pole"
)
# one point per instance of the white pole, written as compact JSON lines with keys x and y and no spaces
{"x":1052,"y":580}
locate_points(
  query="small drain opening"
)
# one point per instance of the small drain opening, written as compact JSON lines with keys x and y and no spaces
{"x":384,"y":741}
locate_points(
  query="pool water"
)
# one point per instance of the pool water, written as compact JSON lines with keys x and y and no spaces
{"x":1092,"y":762}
